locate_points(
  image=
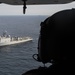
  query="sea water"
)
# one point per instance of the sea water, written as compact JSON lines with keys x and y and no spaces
{"x":17,"y":59}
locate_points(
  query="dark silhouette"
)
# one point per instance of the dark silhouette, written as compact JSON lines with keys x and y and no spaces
{"x":57,"y":44}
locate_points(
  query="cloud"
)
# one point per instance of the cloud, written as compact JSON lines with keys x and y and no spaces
{"x":49,"y":9}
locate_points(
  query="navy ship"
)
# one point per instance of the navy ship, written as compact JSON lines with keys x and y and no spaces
{"x":8,"y":40}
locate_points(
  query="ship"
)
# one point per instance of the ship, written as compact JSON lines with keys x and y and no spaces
{"x":6,"y":39}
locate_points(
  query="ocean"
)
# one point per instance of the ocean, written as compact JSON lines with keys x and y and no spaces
{"x":17,"y":59}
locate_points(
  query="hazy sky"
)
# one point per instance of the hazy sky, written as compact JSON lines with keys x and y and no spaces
{"x":6,"y":9}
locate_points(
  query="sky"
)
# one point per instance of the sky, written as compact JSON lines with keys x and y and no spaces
{"x":49,"y":9}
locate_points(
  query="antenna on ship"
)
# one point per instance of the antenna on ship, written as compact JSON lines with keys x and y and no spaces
{"x":5,"y":34}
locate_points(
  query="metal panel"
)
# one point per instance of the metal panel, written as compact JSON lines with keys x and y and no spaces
{"x":33,"y":2}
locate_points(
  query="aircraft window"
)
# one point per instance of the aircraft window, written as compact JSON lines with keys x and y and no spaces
{"x":16,"y":59}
